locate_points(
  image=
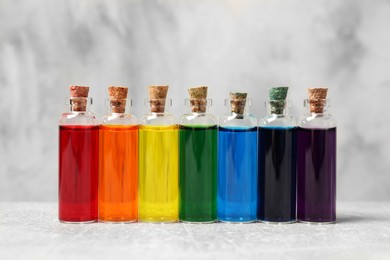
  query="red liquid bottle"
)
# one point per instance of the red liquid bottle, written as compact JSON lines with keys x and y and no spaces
{"x":78,"y":160}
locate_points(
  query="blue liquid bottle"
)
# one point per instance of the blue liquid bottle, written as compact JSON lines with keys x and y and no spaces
{"x":237,"y":163}
{"x":277,"y":161}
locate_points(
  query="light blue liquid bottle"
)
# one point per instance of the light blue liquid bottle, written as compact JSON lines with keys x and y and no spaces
{"x":237,"y":163}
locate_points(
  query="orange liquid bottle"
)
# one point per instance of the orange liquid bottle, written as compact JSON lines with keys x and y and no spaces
{"x":118,"y":162}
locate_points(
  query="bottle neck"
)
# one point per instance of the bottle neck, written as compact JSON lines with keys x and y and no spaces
{"x":278,"y":108}
{"x":198,"y":105}
{"x":237,"y":116}
{"x":238,"y":108}
{"x":277,"y":115}
{"x":158,"y":106}
{"x":314,"y":114}
{"x":79,"y":104}
{"x":317,"y":106}
{"x":117,"y":105}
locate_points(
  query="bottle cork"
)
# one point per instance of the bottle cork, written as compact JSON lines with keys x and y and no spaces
{"x":198,"y":99}
{"x":79,"y":95}
{"x":118,"y":96}
{"x":317,"y":99}
{"x":237,"y":102}
{"x":277,"y":96}
{"x":157,"y":96}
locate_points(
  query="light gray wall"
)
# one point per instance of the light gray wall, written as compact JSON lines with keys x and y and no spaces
{"x":245,"y":45}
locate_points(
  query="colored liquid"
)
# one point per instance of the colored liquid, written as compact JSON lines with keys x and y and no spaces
{"x":118,"y":173}
{"x":277,"y":174}
{"x":198,"y":173}
{"x":78,"y":173}
{"x":316,"y":175}
{"x":237,"y":174}
{"x":158,"y":173}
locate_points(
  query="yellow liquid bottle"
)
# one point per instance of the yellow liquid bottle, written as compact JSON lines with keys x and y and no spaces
{"x":158,"y":171}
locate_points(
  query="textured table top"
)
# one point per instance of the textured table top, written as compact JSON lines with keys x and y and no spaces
{"x":31,"y":230}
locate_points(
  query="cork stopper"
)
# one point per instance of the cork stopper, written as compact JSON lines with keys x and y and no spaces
{"x":79,"y":95}
{"x":118,"y":96}
{"x":277,"y":96}
{"x":237,"y":102}
{"x":198,"y":99}
{"x":317,"y":99}
{"x":157,"y":96}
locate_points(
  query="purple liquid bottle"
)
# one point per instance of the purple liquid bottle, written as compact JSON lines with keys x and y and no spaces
{"x":316,"y":164}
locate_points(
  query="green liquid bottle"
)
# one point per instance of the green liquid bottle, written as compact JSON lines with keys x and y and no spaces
{"x":198,"y":162}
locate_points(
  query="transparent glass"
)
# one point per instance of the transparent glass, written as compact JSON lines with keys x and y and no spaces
{"x":272,"y":119}
{"x":198,"y":119}
{"x":237,"y":167}
{"x":158,"y":118}
{"x":245,"y":120}
{"x":317,"y":120}
{"x":198,"y":164}
{"x":158,"y":165}
{"x":73,"y":117}
{"x":112,"y":118}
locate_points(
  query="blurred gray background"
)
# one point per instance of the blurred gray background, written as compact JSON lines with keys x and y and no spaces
{"x":246,"y":45}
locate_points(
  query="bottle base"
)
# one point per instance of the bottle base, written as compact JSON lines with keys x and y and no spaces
{"x":158,"y":221}
{"x":277,"y":222}
{"x":78,"y":222}
{"x":198,"y":222}
{"x":117,"y":221}
{"x":237,"y":222}
{"x":317,"y":222}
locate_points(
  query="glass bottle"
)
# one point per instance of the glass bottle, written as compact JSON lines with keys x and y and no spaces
{"x":78,"y":160}
{"x":237,"y":163}
{"x":316,"y":169}
{"x":158,"y":161}
{"x":277,"y":161}
{"x":198,"y":160}
{"x":118,"y":161}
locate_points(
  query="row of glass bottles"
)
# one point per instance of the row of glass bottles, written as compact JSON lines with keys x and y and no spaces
{"x":159,"y":171}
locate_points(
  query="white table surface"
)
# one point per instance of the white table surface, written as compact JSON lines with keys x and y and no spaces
{"x":32,"y":231}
